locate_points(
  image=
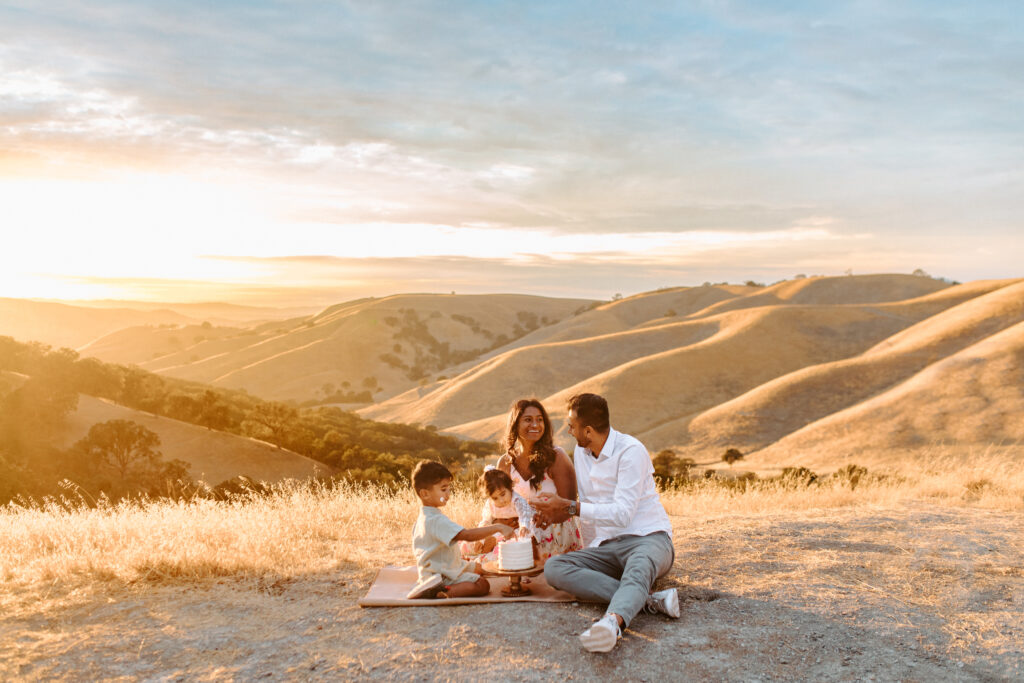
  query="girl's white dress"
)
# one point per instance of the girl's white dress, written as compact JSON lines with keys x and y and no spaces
{"x":518,"y":509}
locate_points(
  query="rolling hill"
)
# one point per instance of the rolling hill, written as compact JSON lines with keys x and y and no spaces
{"x":745,"y":371}
{"x":61,"y":325}
{"x":972,"y":400}
{"x":212,"y":456}
{"x":823,"y":365}
{"x":379,"y":346}
{"x":79,"y":324}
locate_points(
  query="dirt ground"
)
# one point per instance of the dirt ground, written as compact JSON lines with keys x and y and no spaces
{"x":913,"y":593}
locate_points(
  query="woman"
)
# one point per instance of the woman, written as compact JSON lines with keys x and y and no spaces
{"x":536,"y":467}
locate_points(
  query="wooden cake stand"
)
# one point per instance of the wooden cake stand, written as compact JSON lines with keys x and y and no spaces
{"x":515,"y":587}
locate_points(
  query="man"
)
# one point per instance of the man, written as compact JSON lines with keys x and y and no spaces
{"x":626,"y":532}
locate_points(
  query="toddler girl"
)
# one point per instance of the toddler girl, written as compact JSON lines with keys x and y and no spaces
{"x":502,"y":506}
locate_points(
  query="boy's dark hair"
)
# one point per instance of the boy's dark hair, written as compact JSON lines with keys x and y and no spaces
{"x":591,"y":410}
{"x":427,"y":473}
{"x":494,"y":480}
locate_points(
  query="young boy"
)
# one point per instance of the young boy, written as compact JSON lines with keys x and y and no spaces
{"x":442,"y":571}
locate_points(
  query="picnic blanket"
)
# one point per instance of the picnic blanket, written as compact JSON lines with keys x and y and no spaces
{"x":393,"y":583}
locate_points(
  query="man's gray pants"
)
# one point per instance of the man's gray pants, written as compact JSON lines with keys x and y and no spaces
{"x":620,"y":571}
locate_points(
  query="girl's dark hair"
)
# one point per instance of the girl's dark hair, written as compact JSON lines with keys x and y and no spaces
{"x":494,"y":480}
{"x":542,"y":456}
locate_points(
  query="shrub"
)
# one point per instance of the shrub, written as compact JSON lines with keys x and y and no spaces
{"x":797,"y":477}
{"x":732,"y":455}
{"x":851,"y":475}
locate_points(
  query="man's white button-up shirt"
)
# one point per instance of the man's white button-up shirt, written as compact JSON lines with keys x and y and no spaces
{"x":617,"y":492}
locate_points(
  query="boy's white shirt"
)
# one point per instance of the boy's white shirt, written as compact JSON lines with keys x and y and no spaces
{"x":618,"y":495}
{"x":433,"y":545}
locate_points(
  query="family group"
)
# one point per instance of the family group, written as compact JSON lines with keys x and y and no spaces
{"x":596,"y":521}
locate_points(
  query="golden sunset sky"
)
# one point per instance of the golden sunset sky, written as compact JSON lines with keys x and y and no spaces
{"x":310,"y":153}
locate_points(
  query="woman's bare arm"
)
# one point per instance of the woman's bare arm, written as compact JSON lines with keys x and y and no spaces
{"x":564,"y":475}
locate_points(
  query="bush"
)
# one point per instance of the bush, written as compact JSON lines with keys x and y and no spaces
{"x":851,"y":475}
{"x":795,"y":477}
{"x":732,"y":455}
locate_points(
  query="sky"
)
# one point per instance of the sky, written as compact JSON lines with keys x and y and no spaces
{"x":306,"y":153}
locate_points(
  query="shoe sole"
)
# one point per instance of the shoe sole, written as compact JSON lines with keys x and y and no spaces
{"x":602,"y":641}
{"x":428,"y":591}
{"x":672,"y":605}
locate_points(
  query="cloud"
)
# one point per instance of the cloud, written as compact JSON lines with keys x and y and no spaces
{"x":570,"y":118}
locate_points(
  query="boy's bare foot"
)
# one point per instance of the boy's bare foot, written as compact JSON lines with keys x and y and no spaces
{"x":441,"y":595}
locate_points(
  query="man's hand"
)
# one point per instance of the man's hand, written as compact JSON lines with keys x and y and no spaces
{"x":551,"y":509}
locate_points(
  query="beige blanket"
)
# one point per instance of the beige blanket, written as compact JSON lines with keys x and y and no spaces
{"x":393,"y":583}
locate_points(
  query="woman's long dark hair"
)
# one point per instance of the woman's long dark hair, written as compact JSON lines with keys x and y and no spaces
{"x":542,"y":456}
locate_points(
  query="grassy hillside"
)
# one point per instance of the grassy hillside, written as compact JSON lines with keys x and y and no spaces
{"x":50,"y":399}
{"x":749,"y":368}
{"x":788,"y":403}
{"x":73,"y":326}
{"x":694,"y":369}
{"x":973,"y":398}
{"x":362,"y":350}
{"x":213,"y":456}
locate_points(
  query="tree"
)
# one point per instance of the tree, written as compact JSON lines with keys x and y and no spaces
{"x":273,"y":420}
{"x":125,"y":446}
{"x":182,"y":407}
{"x":30,"y":413}
{"x":213,"y":414}
{"x":731,"y":456}
{"x":668,"y":465}
{"x":142,"y":390}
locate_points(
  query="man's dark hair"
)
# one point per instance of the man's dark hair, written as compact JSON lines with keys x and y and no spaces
{"x":427,"y":473}
{"x":591,"y":410}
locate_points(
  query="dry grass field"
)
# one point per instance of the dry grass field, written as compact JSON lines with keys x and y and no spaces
{"x":911,"y":576}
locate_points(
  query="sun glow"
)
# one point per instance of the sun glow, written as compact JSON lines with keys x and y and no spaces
{"x":61,"y":234}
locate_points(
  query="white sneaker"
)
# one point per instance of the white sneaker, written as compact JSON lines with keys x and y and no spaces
{"x":427,"y":588}
{"x":666,"y":602}
{"x":602,"y":635}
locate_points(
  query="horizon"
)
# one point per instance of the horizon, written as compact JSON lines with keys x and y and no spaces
{"x":268,"y":156}
{"x":319,"y":305}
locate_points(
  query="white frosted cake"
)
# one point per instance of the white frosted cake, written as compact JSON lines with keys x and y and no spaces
{"x":515,"y":555}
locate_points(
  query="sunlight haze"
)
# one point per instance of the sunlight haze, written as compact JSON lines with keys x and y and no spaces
{"x":308,"y":154}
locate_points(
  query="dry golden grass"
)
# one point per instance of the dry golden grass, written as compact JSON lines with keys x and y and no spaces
{"x":303,"y":529}
{"x":919,"y":571}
